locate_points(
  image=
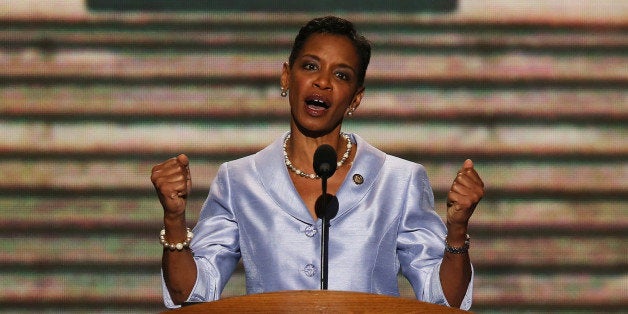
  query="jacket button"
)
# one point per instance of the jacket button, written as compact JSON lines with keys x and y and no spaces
{"x":310,"y":231}
{"x":309,"y":270}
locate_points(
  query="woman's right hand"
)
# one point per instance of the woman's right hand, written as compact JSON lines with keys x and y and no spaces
{"x":173,"y":183}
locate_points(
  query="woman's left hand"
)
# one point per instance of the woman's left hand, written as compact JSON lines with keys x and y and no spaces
{"x":464,"y":195}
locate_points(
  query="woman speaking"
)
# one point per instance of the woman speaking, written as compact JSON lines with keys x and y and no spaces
{"x":262,"y":208}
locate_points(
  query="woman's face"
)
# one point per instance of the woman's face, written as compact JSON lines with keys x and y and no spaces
{"x":323,"y":83}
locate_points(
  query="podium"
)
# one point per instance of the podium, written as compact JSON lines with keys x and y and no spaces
{"x":315,"y":301}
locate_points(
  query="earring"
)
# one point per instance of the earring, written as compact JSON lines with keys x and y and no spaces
{"x":350,"y":112}
{"x":284,"y":93}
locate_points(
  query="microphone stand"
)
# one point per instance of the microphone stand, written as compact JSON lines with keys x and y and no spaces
{"x":324,"y":237}
{"x":324,"y":165}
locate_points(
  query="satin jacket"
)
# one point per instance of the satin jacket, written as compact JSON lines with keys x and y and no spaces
{"x":384,"y":224}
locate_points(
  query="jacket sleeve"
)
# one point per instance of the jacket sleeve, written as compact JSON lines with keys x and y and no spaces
{"x":215,"y":244}
{"x":421,"y":242}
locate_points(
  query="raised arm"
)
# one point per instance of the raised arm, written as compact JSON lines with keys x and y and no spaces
{"x":173,"y":183}
{"x":455,"y":271}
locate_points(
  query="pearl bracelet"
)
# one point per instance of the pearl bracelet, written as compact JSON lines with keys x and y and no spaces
{"x":176,"y":246}
{"x":458,"y":250}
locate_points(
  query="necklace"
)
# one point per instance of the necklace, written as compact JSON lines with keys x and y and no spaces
{"x":314,"y":175}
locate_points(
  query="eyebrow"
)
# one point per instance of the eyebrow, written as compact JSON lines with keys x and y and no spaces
{"x":341,"y":65}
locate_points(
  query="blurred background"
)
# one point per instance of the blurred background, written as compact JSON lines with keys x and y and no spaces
{"x":94,"y":93}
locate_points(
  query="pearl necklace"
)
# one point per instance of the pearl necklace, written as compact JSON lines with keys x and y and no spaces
{"x":314,"y":175}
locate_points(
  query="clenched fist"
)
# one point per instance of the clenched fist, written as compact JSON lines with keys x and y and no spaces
{"x":466,"y":192}
{"x":173,"y":183}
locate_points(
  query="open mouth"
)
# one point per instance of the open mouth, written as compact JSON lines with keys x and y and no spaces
{"x":317,"y":103}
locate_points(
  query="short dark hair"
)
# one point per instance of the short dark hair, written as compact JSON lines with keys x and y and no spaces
{"x":336,"y":26}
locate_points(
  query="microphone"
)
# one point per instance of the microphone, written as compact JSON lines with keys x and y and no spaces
{"x":325,"y":159}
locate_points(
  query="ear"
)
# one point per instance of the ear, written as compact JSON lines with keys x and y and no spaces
{"x":357,"y":98}
{"x":285,"y":76}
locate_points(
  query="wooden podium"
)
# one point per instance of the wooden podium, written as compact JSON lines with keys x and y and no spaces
{"x":315,"y":301}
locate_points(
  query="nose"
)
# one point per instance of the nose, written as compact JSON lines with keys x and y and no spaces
{"x":322,"y":81}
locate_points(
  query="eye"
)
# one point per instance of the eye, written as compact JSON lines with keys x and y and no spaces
{"x":310,"y":66}
{"x":343,"y":76}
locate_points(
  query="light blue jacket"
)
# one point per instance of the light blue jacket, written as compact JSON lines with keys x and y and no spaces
{"x":254,"y":212}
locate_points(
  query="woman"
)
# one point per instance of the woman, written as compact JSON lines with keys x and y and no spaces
{"x":261,"y":208}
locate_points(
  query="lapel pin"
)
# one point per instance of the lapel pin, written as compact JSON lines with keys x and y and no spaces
{"x":358,"y":179}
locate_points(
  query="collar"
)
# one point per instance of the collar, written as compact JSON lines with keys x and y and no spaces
{"x":275,"y":177}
